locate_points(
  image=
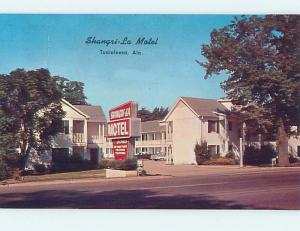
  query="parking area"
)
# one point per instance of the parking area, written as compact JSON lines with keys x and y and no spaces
{"x":161,"y":168}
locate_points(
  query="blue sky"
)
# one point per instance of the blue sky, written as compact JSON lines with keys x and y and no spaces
{"x":156,"y":78}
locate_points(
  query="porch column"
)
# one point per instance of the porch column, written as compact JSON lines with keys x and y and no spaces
{"x":85,"y":131}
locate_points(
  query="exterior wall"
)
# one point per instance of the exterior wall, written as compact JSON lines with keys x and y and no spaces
{"x":108,"y":149}
{"x":66,"y":141}
{"x":155,"y":143}
{"x":294,"y":145}
{"x":215,"y":138}
{"x":91,"y":137}
{"x":189,"y":129}
{"x":186,"y":132}
{"x":234,"y":136}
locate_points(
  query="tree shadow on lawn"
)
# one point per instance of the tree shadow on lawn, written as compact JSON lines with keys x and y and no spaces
{"x":118,"y":199}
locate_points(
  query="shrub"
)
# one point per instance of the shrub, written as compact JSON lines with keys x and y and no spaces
{"x":201,"y":152}
{"x":127,"y":164}
{"x":5,"y":172}
{"x":28,"y":172}
{"x":230,"y":155}
{"x":13,"y":160}
{"x":40,"y":168}
{"x":104,"y":163}
{"x":256,"y":156}
{"x":220,"y":161}
{"x":293,"y":159}
{"x":72,"y":164}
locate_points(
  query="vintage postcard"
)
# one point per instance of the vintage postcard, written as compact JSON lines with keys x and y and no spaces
{"x":150,"y":111}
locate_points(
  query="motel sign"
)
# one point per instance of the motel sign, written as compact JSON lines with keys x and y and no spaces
{"x":122,"y":128}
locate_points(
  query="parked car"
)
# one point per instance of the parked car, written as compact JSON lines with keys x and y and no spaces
{"x":143,"y":155}
{"x":158,"y":156}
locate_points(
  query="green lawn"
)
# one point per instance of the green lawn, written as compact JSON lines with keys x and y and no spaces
{"x":99,"y":173}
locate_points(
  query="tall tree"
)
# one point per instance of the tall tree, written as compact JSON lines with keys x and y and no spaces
{"x":261,"y":58}
{"x":73,"y":91}
{"x":30,"y":110}
{"x":157,"y":113}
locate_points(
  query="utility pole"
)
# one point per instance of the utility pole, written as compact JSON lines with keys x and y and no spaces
{"x":242,"y":145}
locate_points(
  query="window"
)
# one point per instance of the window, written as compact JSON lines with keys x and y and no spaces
{"x":230,"y":148}
{"x":138,"y":150}
{"x":298,"y":151}
{"x":151,"y":136}
{"x":65,"y":127}
{"x":144,"y":136}
{"x":213,"y":126}
{"x":230,"y":126}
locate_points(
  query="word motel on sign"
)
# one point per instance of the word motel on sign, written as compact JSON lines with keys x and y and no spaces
{"x":118,"y":129}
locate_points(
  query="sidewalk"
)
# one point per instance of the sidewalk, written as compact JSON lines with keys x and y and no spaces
{"x":79,"y":181}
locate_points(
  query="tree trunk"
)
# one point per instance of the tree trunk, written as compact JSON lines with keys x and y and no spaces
{"x":282,"y":139}
{"x":26,"y":157}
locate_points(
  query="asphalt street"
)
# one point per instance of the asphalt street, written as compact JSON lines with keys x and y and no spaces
{"x":277,"y":188}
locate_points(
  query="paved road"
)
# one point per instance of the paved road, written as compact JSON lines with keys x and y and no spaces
{"x":188,"y":187}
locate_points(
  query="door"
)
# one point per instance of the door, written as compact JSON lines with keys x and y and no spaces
{"x":95,"y":155}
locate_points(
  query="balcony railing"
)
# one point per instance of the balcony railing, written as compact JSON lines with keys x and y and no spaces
{"x":150,"y":142}
{"x":78,"y":138}
{"x":93,"y":139}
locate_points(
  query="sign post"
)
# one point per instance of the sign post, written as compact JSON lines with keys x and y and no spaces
{"x":122,"y":128}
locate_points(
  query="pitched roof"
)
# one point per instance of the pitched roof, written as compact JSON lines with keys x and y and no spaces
{"x":204,"y":107}
{"x":74,"y":108}
{"x":152,"y":126}
{"x":95,"y":113}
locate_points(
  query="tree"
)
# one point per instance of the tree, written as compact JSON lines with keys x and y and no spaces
{"x":157,"y":113}
{"x":30,"y":111}
{"x":201,"y":152}
{"x":144,"y":114}
{"x":261,"y":58}
{"x":73,"y":91}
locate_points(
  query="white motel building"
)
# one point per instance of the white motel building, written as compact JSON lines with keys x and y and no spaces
{"x":190,"y":120}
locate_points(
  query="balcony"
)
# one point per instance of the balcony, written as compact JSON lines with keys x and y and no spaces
{"x":93,"y":139}
{"x":78,"y":138}
{"x":149,"y":143}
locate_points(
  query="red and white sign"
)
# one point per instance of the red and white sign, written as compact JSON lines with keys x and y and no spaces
{"x":126,"y":110}
{"x":118,"y":129}
{"x":120,"y":148}
{"x":122,"y":127}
